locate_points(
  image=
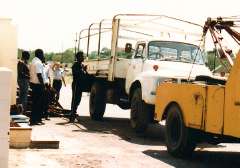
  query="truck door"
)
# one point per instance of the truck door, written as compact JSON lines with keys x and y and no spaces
{"x":136,"y":65}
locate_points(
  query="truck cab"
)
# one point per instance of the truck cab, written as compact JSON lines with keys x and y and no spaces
{"x":154,"y":62}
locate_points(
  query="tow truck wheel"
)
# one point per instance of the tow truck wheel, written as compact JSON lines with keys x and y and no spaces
{"x":141,"y":113}
{"x":97,"y":101}
{"x":179,"y":141}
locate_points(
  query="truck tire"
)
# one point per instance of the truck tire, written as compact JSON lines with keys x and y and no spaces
{"x":97,"y":101}
{"x":141,"y":113}
{"x":179,"y":139}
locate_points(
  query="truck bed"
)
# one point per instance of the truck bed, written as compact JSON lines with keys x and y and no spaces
{"x":100,"y":67}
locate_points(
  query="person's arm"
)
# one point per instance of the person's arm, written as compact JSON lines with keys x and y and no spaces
{"x":53,"y":67}
{"x":62,"y":75}
{"x":39,"y":71}
{"x":49,"y":80}
{"x":20,"y":69}
{"x":26,"y":73}
{"x":48,"y":75}
{"x":39,"y":75}
{"x":64,"y":81}
{"x":85,"y":69}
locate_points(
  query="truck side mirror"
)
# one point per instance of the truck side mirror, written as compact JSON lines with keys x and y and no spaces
{"x":128,"y":48}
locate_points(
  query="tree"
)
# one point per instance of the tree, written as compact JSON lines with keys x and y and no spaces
{"x":67,"y":56}
{"x":105,"y":52}
{"x":212,"y":60}
{"x":93,"y":55}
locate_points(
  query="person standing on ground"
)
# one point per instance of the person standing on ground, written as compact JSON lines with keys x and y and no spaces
{"x":79,"y":73}
{"x":47,"y":83}
{"x":38,"y":87}
{"x":58,"y":78}
{"x":23,"y":77}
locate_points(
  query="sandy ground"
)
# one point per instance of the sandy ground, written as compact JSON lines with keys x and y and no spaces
{"x":112,"y":144}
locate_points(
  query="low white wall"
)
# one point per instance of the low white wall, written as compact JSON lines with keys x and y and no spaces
{"x":5,"y":99}
{"x":8,"y":51}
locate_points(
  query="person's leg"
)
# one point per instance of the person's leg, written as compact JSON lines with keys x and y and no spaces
{"x":46,"y":104}
{"x":20,"y":84}
{"x":55,"y":88}
{"x":33,"y":116}
{"x":76,"y":98}
{"x":42,"y":105}
{"x":57,"y":84}
{"x":73,"y":103}
{"x":25,"y":94}
{"x":40,"y":102}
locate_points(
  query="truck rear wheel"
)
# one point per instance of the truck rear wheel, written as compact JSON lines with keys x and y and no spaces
{"x":141,"y":113}
{"x":97,"y":101}
{"x":179,"y":141}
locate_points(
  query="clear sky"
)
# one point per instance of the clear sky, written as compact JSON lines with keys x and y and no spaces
{"x":52,"y":24}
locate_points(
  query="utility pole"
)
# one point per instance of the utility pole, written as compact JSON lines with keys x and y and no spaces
{"x":75,"y":49}
{"x":62,"y":52}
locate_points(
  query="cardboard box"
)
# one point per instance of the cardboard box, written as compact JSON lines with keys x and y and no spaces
{"x":20,"y":137}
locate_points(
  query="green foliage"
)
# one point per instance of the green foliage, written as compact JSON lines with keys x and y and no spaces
{"x":20,"y":54}
{"x":66,"y":57}
{"x":123,"y":54}
{"x":93,"y":55}
{"x":49,"y":56}
{"x":106,"y":53}
{"x":212,"y":61}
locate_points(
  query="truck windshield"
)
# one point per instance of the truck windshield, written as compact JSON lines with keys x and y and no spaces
{"x":174,"y":51}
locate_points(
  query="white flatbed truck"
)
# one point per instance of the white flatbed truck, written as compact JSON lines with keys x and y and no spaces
{"x":131,"y":82}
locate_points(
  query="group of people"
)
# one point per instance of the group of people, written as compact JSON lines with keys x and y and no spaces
{"x":37,"y":77}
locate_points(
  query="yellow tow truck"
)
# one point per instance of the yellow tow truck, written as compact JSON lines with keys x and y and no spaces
{"x":206,"y":109}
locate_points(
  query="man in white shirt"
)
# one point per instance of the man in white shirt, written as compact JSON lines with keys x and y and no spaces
{"x":37,"y":85}
{"x":47,"y":83}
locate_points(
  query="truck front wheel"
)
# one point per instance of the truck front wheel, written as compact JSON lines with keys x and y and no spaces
{"x":179,"y":138}
{"x":97,"y":101}
{"x":141,"y":113}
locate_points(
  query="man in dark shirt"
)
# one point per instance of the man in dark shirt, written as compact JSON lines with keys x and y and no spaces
{"x":79,"y":73}
{"x":23,"y":78}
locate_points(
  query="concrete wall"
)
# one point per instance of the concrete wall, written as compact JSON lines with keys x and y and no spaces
{"x":5,"y":99}
{"x":8,"y":52}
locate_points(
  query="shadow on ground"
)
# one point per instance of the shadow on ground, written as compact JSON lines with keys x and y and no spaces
{"x":120,"y":127}
{"x":211,"y":159}
{"x":155,"y":137}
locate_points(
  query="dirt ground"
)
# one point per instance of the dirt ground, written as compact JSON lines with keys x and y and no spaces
{"x":112,"y":144}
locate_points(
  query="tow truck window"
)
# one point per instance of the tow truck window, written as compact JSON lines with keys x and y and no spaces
{"x":139,"y":51}
{"x":174,"y":51}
